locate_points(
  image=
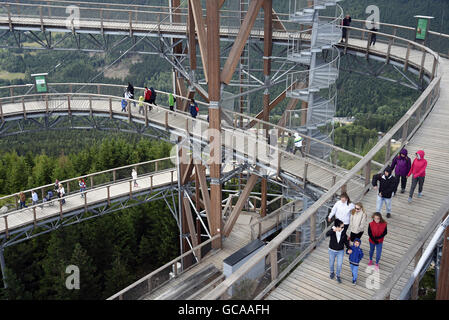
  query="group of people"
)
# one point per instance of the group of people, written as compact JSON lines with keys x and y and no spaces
{"x":351,"y":219}
{"x":58,"y":189}
{"x":294,"y":143}
{"x":349,"y":226}
{"x":346,"y":22}
{"x":149,"y":96}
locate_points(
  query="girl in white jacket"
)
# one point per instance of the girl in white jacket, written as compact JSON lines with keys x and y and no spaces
{"x":342,"y":210}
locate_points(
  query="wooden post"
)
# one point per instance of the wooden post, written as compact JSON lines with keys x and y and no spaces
{"x":306,"y":167}
{"x":6,"y":226}
{"x":98,"y":86}
{"x":388,"y":151}
{"x":130,"y":189}
{"x":114,"y":175}
{"x":1,"y":112}
{"x":415,"y":287}
{"x":344,"y":188}
{"x":68,"y":105}
{"x":166,"y":119}
{"x":368,"y":173}
{"x":34,"y":216}
{"x":407,"y":56}
{"x":110,"y":108}
{"x":46,"y":103}
{"x":91,"y":181}
{"x":24,"y":110}
{"x":109,"y":195}
{"x":41,"y":19}
{"x":334,"y":180}
{"x":90,"y":106}
{"x":404,"y":132}
{"x":423,"y":60}
{"x":313,"y":227}
{"x":16,"y":201}
{"x":443,"y":278}
{"x":274,"y":264}
{"x":68,"y":187}
{"x":146,"y":115}
{"x":85,"y":202}
{"x":60,"y":208}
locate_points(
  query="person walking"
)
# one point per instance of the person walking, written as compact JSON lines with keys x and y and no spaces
{"x":56,"y":186}
{"x":34,"y":198}
{"x":345,"y":23}
{"x":171,"y":101}
{"x":342,"y":210}
{"x":373,"y":37}
{"x":194,"y":108}
{"x":298,"y":144}
{"x":130,"y":91}
{"x":357,"y":222}
{"x":418,"y":172}
{"x":82,"y":186}
{"x":354,"y":259}
{"x":141,"y":110}
{"x":153,"y":96}
{"x":147,"y":97}
{"x":290,"y":143}
{"x":337,"y":242}
{"x":22,"y":200}
{"x":61,"y":193}
{"x":134,"y":176}
{"x":401,"y":164}
{"x":124,"y":101}
{"x":377,"y":230}
{"x":388,"y":185}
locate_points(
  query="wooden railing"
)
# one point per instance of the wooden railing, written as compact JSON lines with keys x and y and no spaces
{"x":160,"y":276}
{"x":413,"y":254}
{"x":95,"y":181}
{"x":404,"y":128}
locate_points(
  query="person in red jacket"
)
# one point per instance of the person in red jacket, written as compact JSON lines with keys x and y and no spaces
{"x":418,"y":170}
{"x":377,"y":230}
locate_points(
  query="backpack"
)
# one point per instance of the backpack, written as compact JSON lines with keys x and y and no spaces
{"x":196,"y":107}
{"x":153,"y":93}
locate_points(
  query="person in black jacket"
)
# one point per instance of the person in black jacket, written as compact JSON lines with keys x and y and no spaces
{"x":388,"y":185}
{"x":345,"y":23}
{"x":338,"y":241}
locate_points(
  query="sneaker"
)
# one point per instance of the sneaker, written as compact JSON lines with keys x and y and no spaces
{"x":332,"y":275}
{"x":419,"y":195}
{"x":338,"y":279}
{"x":402,"y":190}
{"x":376,"y":267}
{"x":370,"y":263}
{"x":388,"y":215}
{"x":409,"y":200}
{"x":354,"y":282}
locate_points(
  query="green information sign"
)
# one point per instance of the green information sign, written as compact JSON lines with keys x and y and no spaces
{"x":421,"y":29}
{"x":41,"y":84}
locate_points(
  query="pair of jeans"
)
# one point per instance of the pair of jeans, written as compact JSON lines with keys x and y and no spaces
{"x":380,"y":201}
{"x":336,"y":254}
{"x":378,"y":248}
{"x":355,"y":271}
{"x":415,"y":181}
{"x":22,"y":204}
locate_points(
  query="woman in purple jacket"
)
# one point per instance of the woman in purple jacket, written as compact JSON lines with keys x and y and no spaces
{"x":402,"y":163}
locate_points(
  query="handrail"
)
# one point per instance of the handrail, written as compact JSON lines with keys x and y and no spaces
{"x":168,"y":264}
{"x":412,"y":252}
{"x":91,"y":175}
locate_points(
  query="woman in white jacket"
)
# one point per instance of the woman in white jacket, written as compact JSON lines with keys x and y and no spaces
{"x":357,"y":222}
{"x":342,"y":210}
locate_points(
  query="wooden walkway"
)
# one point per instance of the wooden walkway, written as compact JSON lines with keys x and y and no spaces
{"x":310,"y":280}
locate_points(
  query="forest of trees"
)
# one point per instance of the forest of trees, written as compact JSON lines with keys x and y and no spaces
{"x":111,"y":251}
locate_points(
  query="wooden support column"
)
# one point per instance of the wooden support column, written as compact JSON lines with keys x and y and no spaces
{"x":191,"y":38}
{"x":239,"y":205}
{"x":242,"y":37}
{"x":415,"y":287}
{"x":213,"y":70}
{"x":203,"y":38}
{"x":443,"y":278}
{"x":368,"y":173}
{"x":201,"y":171}
{"x":268,"y":33}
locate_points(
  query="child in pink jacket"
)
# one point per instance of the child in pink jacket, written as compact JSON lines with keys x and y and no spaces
{"x":418,"y":172}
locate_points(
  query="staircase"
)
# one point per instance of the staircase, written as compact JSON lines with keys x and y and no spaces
{"x":313,"y":49}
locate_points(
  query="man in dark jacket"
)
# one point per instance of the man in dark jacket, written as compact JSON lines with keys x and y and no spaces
{"x":402,"y":163}
{"x":388,"y":185}
{"x":337,"y":242}
{"x":345,"y":23}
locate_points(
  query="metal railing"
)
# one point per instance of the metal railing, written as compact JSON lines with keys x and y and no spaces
{"x":156,"y":279}
{"x":98,"y":181}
